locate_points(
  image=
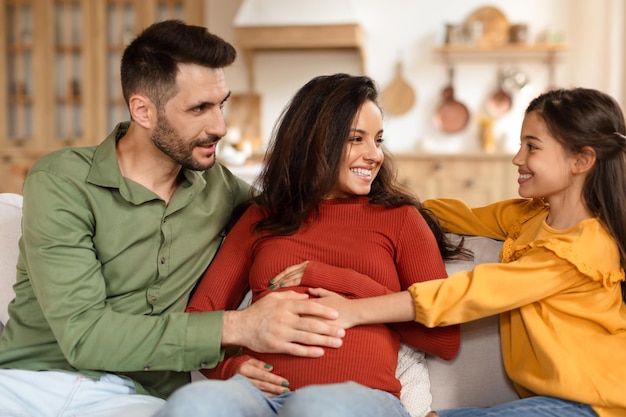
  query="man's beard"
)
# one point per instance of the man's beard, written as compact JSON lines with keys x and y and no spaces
{"x":170,"y":143}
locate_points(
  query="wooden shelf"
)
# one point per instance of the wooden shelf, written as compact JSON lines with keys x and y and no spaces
{"x":540,"y":49}
{"x":547,"y":51}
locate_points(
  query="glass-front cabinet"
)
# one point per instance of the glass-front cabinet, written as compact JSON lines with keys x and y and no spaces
{"x":59,"y":82}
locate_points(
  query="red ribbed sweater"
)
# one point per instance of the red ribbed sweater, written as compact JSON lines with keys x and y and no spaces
{"x":354,"y":248}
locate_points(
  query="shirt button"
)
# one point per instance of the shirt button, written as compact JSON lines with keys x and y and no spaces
{"x":163,"y":260}
{"x":203,"y":365}
{"x":153,"y":297}
{"x":146,"y":368}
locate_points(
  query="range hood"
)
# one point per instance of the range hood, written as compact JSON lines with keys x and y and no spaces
{"x":262,"y":25}
{"x":295,"y":12}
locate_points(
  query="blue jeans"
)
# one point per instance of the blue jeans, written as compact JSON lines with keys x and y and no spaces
{"x":540,"y":406}
{"x":237,"y":397}
{"x":64,"y":394}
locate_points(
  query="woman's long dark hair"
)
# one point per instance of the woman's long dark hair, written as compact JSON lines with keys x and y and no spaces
{"x":303,"y":158}
{"x":583,"y":117}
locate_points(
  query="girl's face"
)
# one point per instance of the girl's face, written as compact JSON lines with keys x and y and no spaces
{"x":545,"y":168}
{"x":362,"y":153}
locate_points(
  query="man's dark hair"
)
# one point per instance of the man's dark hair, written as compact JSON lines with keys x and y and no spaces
{"x":150,"y":61}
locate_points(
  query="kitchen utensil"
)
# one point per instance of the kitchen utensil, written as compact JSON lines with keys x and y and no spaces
{"x":454,"y":34}
{"x":398,"y":97}
{"x":500,"y":101}
{"x":495,"y":25}
{"x":451,"y":116}
{"x":515,"y":79}
{"x":518,"y":33}
{"x":243,"y":112}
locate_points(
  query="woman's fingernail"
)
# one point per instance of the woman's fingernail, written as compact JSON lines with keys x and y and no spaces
{"x":282,"y":284}
{"x":272,"y":287}
{"x":286,"y":391}
{"x":285,"y":383}
{"x":267,"y":366}
{"x":272,"y":280}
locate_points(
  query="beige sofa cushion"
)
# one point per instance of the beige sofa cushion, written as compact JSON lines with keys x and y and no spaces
{"x":11,"y":229}
{"x":476,"y":376}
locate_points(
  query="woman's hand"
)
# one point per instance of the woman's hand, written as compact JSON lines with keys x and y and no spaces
{"x":260,"y":375}
{"x":289,"y":277}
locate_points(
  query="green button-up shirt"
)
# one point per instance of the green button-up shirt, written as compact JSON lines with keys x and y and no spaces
{"x":106,"y":268}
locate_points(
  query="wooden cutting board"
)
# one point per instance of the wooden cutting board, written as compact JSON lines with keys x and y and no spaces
{"x":495,"y":25}
{"x":399,"y":96}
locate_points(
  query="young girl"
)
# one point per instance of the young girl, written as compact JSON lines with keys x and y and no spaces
{"x":331,"y":207}
{"x":559,"y":288}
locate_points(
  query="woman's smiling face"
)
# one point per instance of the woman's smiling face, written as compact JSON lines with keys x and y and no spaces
{"x":362,"y":153}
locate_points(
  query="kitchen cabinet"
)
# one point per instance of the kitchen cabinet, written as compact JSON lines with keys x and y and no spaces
{"x":478,"y":179}
{"x":59,"y":83}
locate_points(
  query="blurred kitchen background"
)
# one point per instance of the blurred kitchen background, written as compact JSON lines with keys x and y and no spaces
{"x":59,"y":85}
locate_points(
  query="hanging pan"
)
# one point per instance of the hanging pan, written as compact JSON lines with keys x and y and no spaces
{"x":499,"y":103}
{"x":451,"y":116}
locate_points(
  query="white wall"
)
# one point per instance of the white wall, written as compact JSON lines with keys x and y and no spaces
{"x":408,"y":30}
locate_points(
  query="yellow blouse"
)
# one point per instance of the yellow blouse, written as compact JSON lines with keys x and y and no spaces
{"x":562,"y":318}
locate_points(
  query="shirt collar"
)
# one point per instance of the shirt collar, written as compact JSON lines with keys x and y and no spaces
{"x":105,"y":171}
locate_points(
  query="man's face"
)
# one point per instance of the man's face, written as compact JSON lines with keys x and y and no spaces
{"x":192,"y":122}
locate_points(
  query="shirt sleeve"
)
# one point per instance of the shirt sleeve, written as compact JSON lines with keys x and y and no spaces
{"x":491,"y":221}
{"x":58,"y":251}
{"x":493,"y":288}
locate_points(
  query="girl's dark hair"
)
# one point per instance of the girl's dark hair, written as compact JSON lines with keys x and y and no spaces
{"x":303,"y":158}
{"x":582,"y":117}
{"x":150,"y":62}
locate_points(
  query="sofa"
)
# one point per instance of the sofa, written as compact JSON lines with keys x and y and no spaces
{"x":475,"y":377}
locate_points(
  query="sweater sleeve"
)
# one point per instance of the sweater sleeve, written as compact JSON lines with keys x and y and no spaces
{"x":224,"y":283}
{"x":418,"y":260}
{"x":342,"y":281}
{"x":226,"y":368}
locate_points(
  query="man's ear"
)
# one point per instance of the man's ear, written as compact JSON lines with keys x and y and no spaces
{"x":584,"y":160}
{"x":142,"y":110}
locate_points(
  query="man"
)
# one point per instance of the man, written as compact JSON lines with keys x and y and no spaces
{"x":116,"y":236}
